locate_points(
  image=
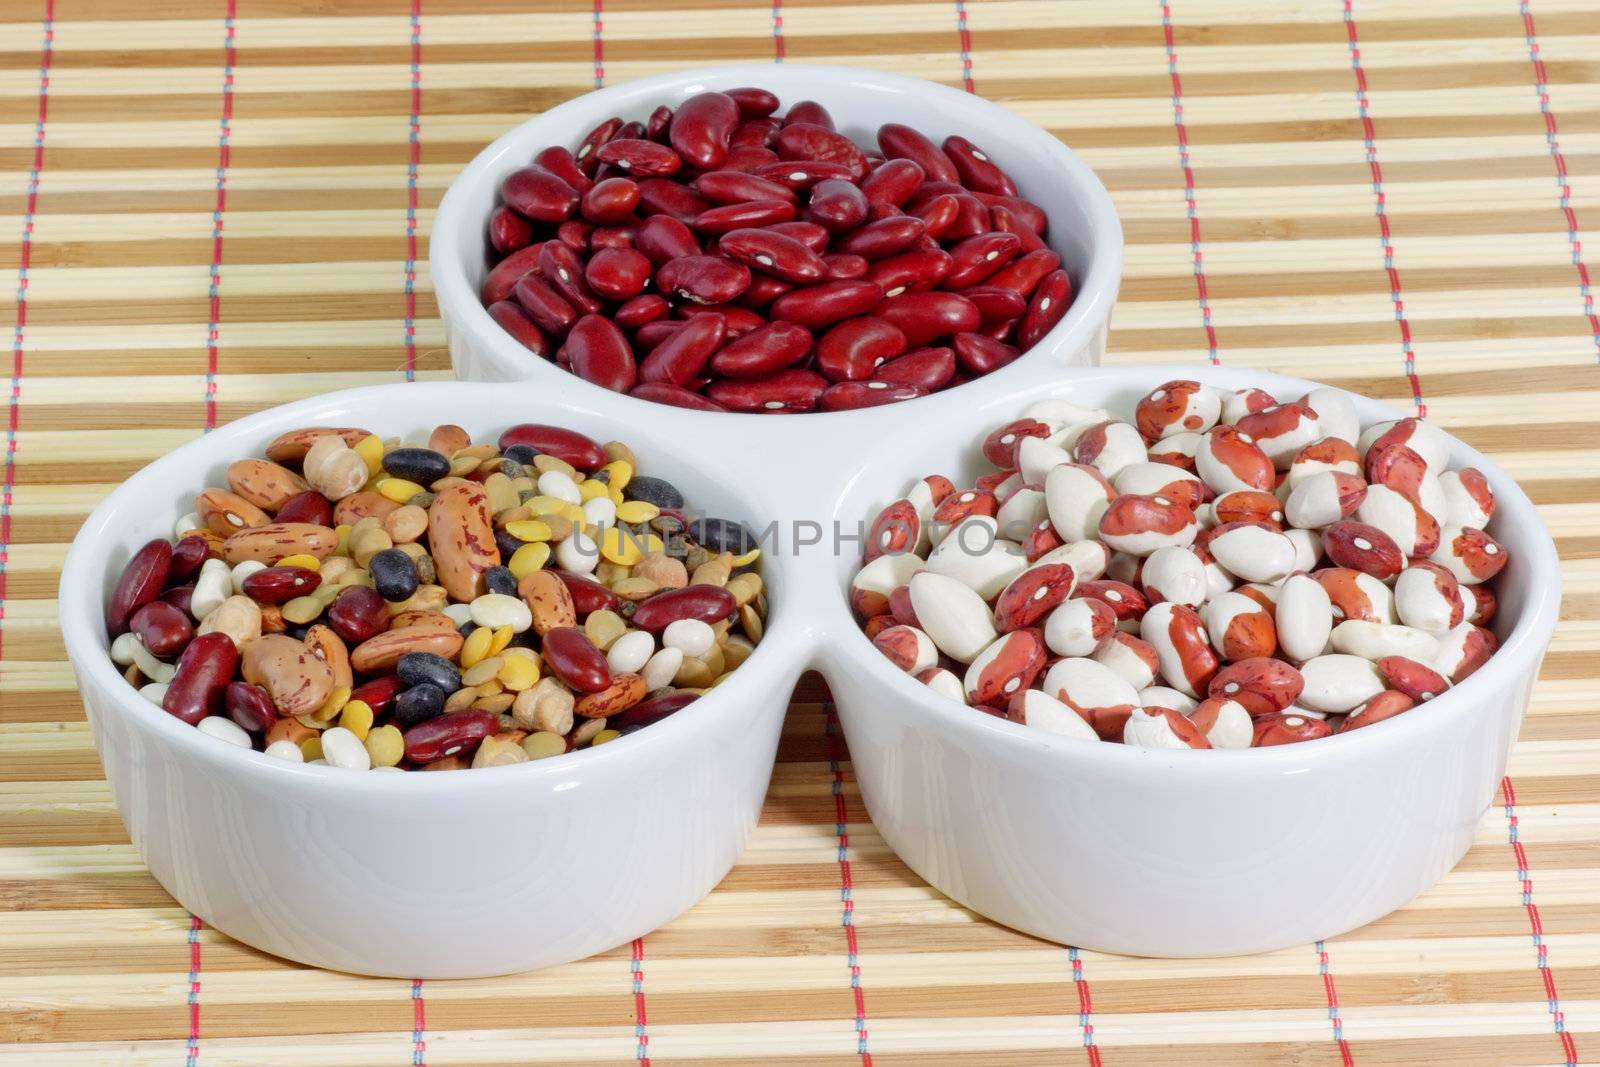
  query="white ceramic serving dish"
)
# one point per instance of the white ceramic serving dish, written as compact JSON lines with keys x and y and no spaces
{"x":1083,"y":224}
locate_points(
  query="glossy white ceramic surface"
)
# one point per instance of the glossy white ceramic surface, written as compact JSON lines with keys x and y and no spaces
{"x":1083,"y":224}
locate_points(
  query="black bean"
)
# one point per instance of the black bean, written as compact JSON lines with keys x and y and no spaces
{"x":394,"y":574}
{"x":507,"y":544}
{"x":500,"y":580}
{"x":298,"y":630}
{"x":722,"y":535}
{"x":522,"y":454}
{"x":657,"y":491}
{"x":417,"y":704}
{"x":420,"y":668}
{"x":421,"y":465}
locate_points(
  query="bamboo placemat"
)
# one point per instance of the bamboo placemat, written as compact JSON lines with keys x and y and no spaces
{"x":218,"y":209}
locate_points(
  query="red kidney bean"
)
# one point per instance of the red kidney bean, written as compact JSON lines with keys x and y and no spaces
{"x":801,"y":174}
{"x":883,"y":238}
{"x":994,"y":303}
{"x":748,"y":158}
{"x":141,"y":582}
{"x":379,"y":693}
{"x":847,"y":396}
{"x":902,"y":142}
{"x":357,"y":613}
{"x":773,"y":253}
{"x":976,"y":170}
{"x":1024,"y":274}
{"x":972,"y":217}
{"x":181,"y":597}
{"x":1050,"y":302}
{"x":309,"y":506}
{"x":763,"y":290}
{"x":938,"y":214}
{"x":187,"y":556}
{"x":561,"y":268}
{"x":811,"y":112}
{"x":279,"y":585}
{"x":701,"y":128}
{"x":546,"y":307}
{"x":739,"y":320}
{"x":708,"y":603}
{"x":787,"y":390}
{"x":980,"y":355}
{"x":853,"y":349}
{"x":201,"y":677}
{"x":163,"y":628}
{"x":651,"y":710}
{"x":922,"y":317}
{"x":976,"y":258}
{"x":831,"y":302}
{"x":910,"y":271}
{"x":674,"y":395}
{"x":640,"y":158}
{"x":893,"y":182}
{"x":569,"y":446}
{"x":1027,"y":212}
{"x":539,"y":195}
{"x":508,"y":231}
{"x":926,"y":368}
{"x":599,"y":353}
{"x":618,"y":274}
{"x":682,"y":356}
{"x":250,"y":707}
{"x":560,"y":162}
{"x":585,"y":155}
{"x":611,"y":201}
{"x":764,"y":350}
{"x":753,"y":133}
{"x":456,"y":734}
{"x":736,"y":187}
{"x":514,"y":321}
{"x":658,"y":196}
{"x":703,"y":279}
{"x":809,"y":234}
{"x":751,"y":213}
{"x":663,"y":238}
{"x":587,"y":594}
{"x":1001,"y":331}
{"x":653,"y":333}
{"x":505,"y":275}
{"x":837,"y":205}
{"x":753,"y":103}
{"x":573,"y":658}
{"x":843,"y":267}
{"x":655,"y":127}
{"x":642,"y":309}
{"x":1005,"y":220}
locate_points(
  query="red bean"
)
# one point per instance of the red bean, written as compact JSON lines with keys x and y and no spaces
{"x":787,"y":390}
{"x":546,"y":307}
{"x":379,"y":693}
{"x":652,"y":710}
{"x":995,"y":304}
{"x":655,"y":128}
{"x":682,"y":356}
{"x":773,"y":253}
{"x":279,"y":585}
{"x":843,"y":267}
{"x":642,"y":309}
{"x":504,"y":277}
{"x":701,"y":128}
{"x":574,"y":659}
{"x":181,"y":597}
{"x":309,"y":506}
{"x":249,"y":706}
{"x":599,"y":353}
{"x":640,"y":158}
{"x":508,"y":231}
{"x":587,"y":594}
{"x":558,"y":161}
{"x":618,"y":274}
{"x":456,"y":734}
{"x":902,"y":142}
{"x":980,"y":355}
{"x":663,"y":238}
{"x":574,"y":234}
{"x":846,"y":396}
{"x":514,"y":321}
{"x":611,"y":201}
{"x":736,"y":187}
{"x":585,"y":155}
{"x":754,"y":103}
{"x":703,"y":279}
{"x":1023,"y":275}
{"x":811,"y":112}
{"x":763,"y":290}
{"x":201,"y":677}
{"x":187,"y":556}
{"x":837,"y":205}
{"x":938,"y":214}
{"x":1004,"y":219}
{"x":539,"y":195}
{"x":163,"y":628}
{"x":141,"y":582}
{"x":358,"y":613}
{"x":976,"y":258}
{"x":1027,"y":212}
{"x":748,"y":158}
{"x":853,"y":349}
{"x":563,"y":270}
{"x":653,"y":333}
{"x":922,"y":317}
{"x":826,"y":304}
{"x":928,"y":369}
{"x":708,"y":603}
{"x":810,"y":142}
{"x":809,"y":234}
{"x":910,"y":271}
{"x":801,"y":174}
{"x":762,"y":351}
{"x":883,"y":238}
{"x":739,"y":320}
{"x":751,"y":213}
{"x":1050,"y":302}
{"x":975,"y":168}
{"x":675,"y":395}
{"x":658,"y":196}
{"x":972,"y":217}
{"x":893,"y":182}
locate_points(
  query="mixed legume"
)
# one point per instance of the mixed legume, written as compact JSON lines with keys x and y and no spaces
{"x":1224,"y":571}
{"x":439,"y":605}
{"x":720,"y":257}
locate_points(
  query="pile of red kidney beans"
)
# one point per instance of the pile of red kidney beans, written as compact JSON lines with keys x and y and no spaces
{"x":723,"y":258}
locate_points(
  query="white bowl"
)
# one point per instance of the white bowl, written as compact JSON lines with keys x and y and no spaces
{"x":1162,"y":853}
{"x":1083,"y":224}
{"x":428,"y":875}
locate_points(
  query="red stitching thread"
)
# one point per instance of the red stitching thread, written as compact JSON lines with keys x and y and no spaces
{"x":641,"y":1026}
{"x":779,"y":48}
{"x":1325,"y":966}
{"x":599,"y":44}
{"x":1195,"y":246}
{"x":964,"y":35}
{"x":1569,"y":1045}
{"x":192,"y":1050}
{"x":847,"y":916}
{"x":1085,"y":1006}
{"x":224,"y":155}
{"x":413,"y":165}
{"x":419,"y":1025}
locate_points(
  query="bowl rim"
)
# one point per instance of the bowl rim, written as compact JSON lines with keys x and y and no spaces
{"x":1529,"y":637}
{"x":1094,"y":293}
{"x":80,"y":617}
